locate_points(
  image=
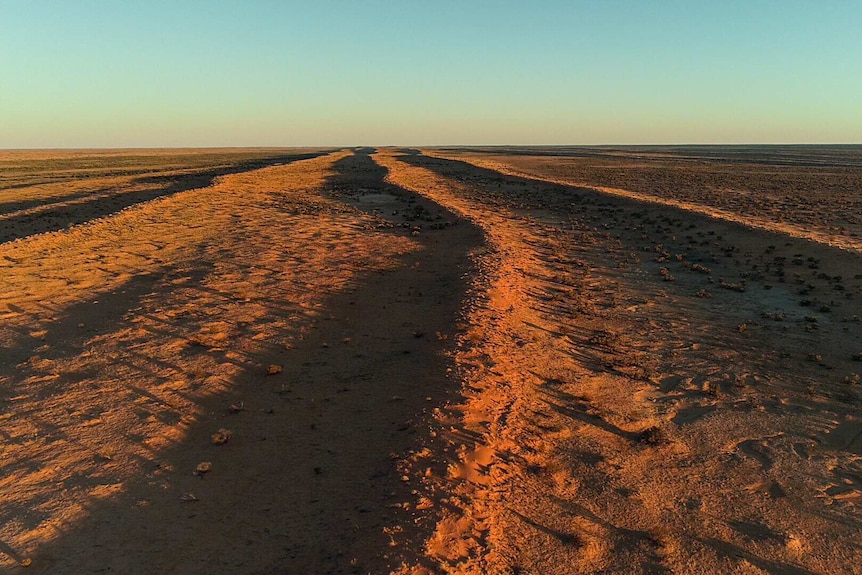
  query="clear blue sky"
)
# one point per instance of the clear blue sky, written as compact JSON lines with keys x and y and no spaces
{"x":78,"y":73}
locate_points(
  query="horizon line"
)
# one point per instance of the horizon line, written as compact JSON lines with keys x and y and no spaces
{"x":510,"y":145}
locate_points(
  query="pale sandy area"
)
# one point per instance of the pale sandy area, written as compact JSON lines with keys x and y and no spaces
{"x":395,"y":362}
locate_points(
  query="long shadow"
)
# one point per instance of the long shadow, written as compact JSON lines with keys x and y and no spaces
{"x":12,"y":207}
{"x":361,"y":173}
{"x":817,"y":156}
{"x":68,"y":214}
{"x":631,"y":538}
{"x":567,"y":199}
{"x":308,"y":483}
{"x":67,"y":333}
{"x":561,"y":536}
{"x":53,"y":178}
{"x":579,"y":409}
{"x":488,"y":180}
{"x":735,"y":553}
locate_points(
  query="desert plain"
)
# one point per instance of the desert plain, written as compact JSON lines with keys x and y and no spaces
{"x":451,"y":360}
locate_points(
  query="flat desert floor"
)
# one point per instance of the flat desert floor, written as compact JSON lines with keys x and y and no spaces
{"x":490,"y":361}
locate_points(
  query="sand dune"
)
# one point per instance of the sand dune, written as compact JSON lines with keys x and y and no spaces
{"x":396,"y":361}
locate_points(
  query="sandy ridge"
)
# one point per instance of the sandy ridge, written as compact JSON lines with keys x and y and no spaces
{"x":125,"y":342}
{"x":616,"y":434}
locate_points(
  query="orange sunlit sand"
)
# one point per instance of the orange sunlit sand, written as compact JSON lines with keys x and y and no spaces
{"x":429,"y":361}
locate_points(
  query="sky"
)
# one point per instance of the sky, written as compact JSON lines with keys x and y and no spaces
{"x":87,"y":73}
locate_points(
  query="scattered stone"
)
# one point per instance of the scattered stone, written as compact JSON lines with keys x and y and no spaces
{"x":737,"y":287}
{"x":221,"y":436}
{"x":666,"y":275}
{"x":274,"y":369}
